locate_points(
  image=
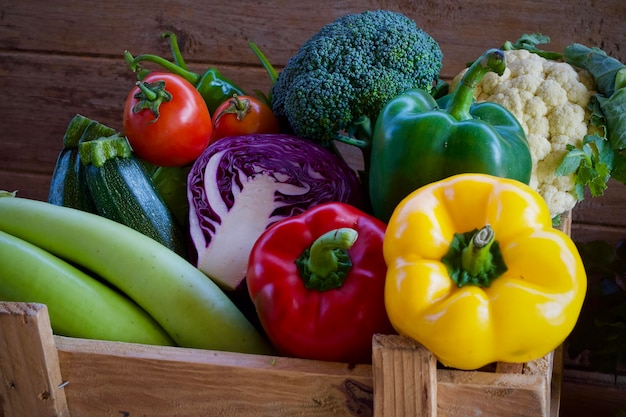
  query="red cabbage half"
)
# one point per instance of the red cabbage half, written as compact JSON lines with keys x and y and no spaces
{"x":242,"y":184}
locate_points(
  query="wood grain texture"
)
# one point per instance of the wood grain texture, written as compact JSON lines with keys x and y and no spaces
{"x":111,"y":379}
{"x":65,"y":57}
{"x":405,"y":378}
{"x":496,"y":395}
{"x":30,"y":378}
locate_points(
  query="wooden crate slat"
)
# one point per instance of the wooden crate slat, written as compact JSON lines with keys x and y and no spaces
{"x":405,"y":378}
{"x":109,"y":378}
{"x":30,"y":377}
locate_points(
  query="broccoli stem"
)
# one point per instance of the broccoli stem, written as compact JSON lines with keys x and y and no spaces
{"x":361,"y":137}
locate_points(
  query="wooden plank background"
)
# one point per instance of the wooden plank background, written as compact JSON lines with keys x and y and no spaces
{"x":63,"y":57}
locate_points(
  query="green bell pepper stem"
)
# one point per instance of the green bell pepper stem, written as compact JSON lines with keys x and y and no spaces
{"x":326,"y":263}
{"x":211,"y":85}
{"x":178,"y":56}
{"x":133,"y":63}
{"x":492,"y":60}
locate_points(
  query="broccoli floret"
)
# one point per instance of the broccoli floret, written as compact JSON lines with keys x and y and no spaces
{"x":345,"y":74}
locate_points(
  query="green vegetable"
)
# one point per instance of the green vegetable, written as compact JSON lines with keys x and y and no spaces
{"x":171,"y":184}
{"x":334,"y":87}
{"x":530,"y":42}
{"x":269,"y":69}
{"x":67,"y":187}
{"x":609,"y":104}
{"x":603,"y":154}
{"x":79,"y":305}
{"x":213,"y":87}
{"x":418,"y":140}
{"x":184,"y":301}
{"x":122,"y":191}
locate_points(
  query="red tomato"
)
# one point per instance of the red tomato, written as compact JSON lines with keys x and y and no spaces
{"x":242,"y":115}
{"x":182,"y":129}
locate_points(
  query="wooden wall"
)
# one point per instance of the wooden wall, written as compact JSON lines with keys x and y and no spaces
{"x":62,"y":57}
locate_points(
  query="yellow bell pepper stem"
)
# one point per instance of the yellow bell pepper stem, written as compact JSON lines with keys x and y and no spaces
{"x":474,"y":258}
{"x":477,"y":257}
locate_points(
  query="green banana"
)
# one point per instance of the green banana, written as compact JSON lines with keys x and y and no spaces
{"x":78,"y":304}
{"x":184,"y":301}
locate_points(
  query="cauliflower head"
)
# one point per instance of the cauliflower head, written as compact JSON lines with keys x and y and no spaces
{"x":549,"y":98}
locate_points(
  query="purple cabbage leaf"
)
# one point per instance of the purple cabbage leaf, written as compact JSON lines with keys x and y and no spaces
{"x":241,"y":185}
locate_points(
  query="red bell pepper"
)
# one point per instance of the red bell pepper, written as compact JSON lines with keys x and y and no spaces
{"x":317,"y":281}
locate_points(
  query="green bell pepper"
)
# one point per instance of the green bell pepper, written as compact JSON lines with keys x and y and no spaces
{"x":418,"y":140}
{"x":212,"y":86}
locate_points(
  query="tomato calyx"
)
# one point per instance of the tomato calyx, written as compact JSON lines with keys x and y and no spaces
{"x":150,"y":97}
{"x":237,"y":106}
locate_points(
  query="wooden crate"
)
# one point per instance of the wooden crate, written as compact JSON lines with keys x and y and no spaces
{"x":65,"y":57}
{"x":45,"y":375}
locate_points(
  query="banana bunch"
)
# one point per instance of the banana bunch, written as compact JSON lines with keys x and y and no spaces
{"x":104,"y":280}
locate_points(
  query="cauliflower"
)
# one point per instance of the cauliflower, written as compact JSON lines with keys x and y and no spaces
{"x":549,"y":98}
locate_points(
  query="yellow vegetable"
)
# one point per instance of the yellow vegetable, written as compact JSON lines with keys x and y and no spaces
{"x":513,"y":300}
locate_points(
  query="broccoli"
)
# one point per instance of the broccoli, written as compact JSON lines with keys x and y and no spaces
{"x":337,"y":83}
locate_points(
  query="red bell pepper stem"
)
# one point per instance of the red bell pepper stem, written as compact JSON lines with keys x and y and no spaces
{"x":326,"y":263}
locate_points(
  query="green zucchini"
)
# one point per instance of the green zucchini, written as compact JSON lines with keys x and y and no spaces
{"x":67,"y":186}
{"x":123,"y":191}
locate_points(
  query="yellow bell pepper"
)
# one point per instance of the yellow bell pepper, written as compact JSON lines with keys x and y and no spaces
{"x":477,"y":274}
